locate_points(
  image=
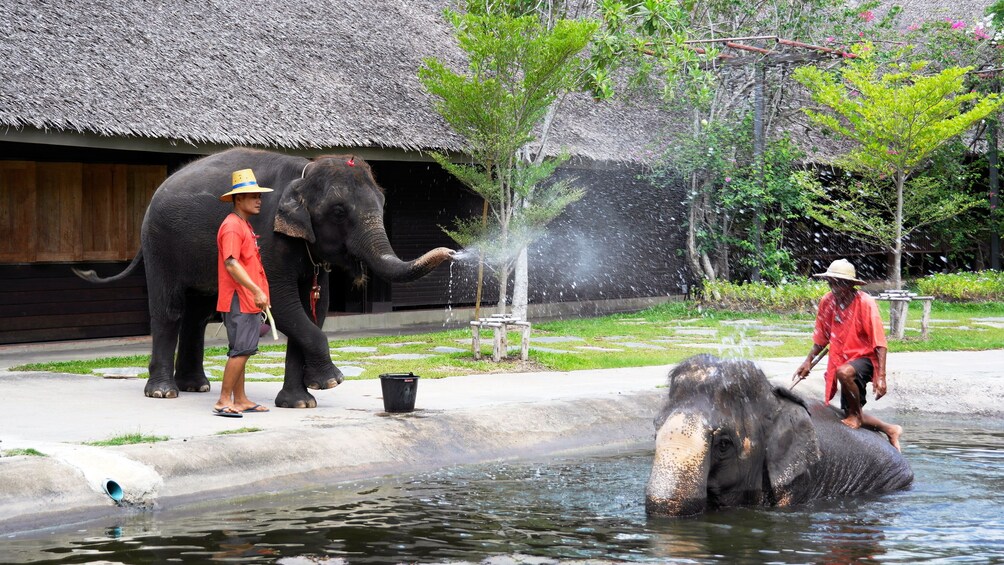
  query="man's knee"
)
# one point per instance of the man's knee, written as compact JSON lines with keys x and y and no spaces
{"x":846,"y":374}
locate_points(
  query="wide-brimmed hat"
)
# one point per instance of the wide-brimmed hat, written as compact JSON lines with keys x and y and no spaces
{"x":243,"y":183}
{"x":841,"y":269}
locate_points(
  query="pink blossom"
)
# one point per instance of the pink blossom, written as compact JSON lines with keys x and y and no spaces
{"x":980,"y":33}
{"x":861,"y":34}
{"x":831,"y":39}
{"x":959,"y":24}
{"x":728,"y":179}
{"x":892,"y":152}
{"x":913,"y":27}
{"x":867,"y":15}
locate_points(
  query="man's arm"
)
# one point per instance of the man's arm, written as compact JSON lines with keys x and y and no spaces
{"x":806,"y":366}
{"x":237,"y":271}
{"x":878,"y":379}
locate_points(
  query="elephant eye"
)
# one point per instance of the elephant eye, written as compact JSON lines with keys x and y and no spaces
{"x":724,"y":445}
{"x":338,"y":210}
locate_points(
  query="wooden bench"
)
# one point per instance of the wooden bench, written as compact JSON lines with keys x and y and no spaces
{"x":899,"y":306}
{"x":501,"y":324}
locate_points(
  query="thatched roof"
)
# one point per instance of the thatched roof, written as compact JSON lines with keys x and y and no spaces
{"x":290,"y":74}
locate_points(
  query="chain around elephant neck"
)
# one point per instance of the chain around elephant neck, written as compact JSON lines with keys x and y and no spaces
{"x":323,"y":264}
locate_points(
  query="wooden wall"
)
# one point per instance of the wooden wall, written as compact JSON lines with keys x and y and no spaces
{"x":59,"y":215}
{"x":73,"y":211}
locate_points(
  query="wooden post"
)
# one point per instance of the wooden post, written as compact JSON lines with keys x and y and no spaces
{"x":476,"y":340}
{"x":925,"y":320}
{"x":498,"y":342}
{"x":524,"y":342}
{"x":904,"y":309}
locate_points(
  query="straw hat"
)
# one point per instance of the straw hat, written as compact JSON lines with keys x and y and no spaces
{"x":840,"y":269}
{"x":243,"y":183}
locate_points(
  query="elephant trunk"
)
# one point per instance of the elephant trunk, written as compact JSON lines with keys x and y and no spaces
{"x":373,"y":247}
{"x":679,"y":481}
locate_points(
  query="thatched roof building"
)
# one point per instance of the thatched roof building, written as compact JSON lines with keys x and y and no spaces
{"x":290,"y":74}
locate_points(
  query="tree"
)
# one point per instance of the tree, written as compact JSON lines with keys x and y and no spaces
{"x":517,"y":67}
{"x":896,"y":120}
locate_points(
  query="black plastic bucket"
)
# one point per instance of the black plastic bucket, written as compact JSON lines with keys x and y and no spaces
{"x":399,"y":390}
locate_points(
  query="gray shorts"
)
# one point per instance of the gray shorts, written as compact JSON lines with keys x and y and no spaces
{"x":243,"y":330}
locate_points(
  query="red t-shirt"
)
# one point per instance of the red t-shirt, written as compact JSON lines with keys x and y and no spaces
{"x":853,"y":332}
{"x":236,"y":239}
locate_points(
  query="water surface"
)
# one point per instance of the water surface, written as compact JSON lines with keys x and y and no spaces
{"x":565,"y":509}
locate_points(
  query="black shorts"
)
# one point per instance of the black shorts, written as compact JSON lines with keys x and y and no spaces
{"x":863,"y":371}
{"x":243,"y":330}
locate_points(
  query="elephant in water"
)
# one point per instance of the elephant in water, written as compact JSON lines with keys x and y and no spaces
{"x":726,"y":437}
{"x":323,"y":212}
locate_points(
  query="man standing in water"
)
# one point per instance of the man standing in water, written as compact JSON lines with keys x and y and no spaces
{"x":849,"y":321}
{"x":243,"y":291}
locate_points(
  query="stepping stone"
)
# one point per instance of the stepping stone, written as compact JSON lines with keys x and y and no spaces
{"x":351,"y":370}
{"x":592,"y":348}
{"x":762,"y":343}
{"x":218,"y":357}
{"x":403,"y":356}
{"x":555,"y":339}
{"x":541,"y":349}
{"x":784,"y":333}
{"x":741,"y":322}
{"x":260,"y":376}
{"x":268,"y":365}
{"x":275,"y":354}
{"x":445,"y":349}
{"x":695,"y":331}
{"x":355,"y":349}
{"x":404,"y":343}
{"x":717,"y":346}
{"x":639,"y":345}
{"x":120,"y":371}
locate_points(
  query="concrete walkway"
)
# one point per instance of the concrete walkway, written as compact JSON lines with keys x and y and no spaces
{"x":457,"y":420}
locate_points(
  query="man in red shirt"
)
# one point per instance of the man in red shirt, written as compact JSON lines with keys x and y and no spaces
{"x":849,"y":321}
{"x":243,"y":291}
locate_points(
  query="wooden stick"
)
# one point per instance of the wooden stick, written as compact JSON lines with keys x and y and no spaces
{"x":271,"y":323}
{"x":813,"y":364}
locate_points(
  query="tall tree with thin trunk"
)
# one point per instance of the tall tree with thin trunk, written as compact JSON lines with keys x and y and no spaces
{"x":517,"y":68}
{"x":896,"y":120}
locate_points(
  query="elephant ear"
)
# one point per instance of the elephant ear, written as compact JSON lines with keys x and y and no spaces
{"x":792,"y":448}
{"x":292,"y":217}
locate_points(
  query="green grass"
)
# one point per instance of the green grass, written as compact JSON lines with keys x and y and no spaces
{"x":127,"y":439}
{"x":675,"y":331}
{"x":27,"y":451}
{"x":244,"y":430}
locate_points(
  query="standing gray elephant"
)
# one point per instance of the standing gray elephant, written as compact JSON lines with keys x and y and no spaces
{"x":726,"y":438}
{"x":324,"y":212}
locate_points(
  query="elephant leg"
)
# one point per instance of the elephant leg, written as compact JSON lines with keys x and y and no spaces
{"x":189,"y":374}
{"x":319,"y":372}
{"x":294,"y":394}
{"x":166,"y":308}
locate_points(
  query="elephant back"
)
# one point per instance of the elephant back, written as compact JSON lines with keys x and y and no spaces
{"x":854,"y":461}
{"x":185,"y":213}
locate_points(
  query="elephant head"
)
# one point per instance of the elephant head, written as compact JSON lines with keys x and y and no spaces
{"x":337,"y":207}
{"x":726,"y":437}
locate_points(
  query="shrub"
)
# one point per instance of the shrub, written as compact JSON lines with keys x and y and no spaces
{"x":983,"y":286}
{"x":800,"y":295}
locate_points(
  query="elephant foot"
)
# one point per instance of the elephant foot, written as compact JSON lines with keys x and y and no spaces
{"x":330,"y":379}
{"x":194,"y":383}
{"x":302,"y":399}
{"x":154,"y":389}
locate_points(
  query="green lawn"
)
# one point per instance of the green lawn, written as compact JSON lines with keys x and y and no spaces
{"x":657,"y":336}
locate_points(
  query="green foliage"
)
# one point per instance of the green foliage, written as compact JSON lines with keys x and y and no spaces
{"x":895,"y":118}
{"x":127,"y":439}
{"x":983,"y":286}
{"x":244,"y":430}
{"x":794,"y":296}
{"x":29,"y":452}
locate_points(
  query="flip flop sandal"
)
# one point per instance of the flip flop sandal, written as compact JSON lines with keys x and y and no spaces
{"x":227,"y":412}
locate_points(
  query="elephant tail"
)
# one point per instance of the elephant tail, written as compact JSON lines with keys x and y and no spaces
{"x":91,"y":276}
